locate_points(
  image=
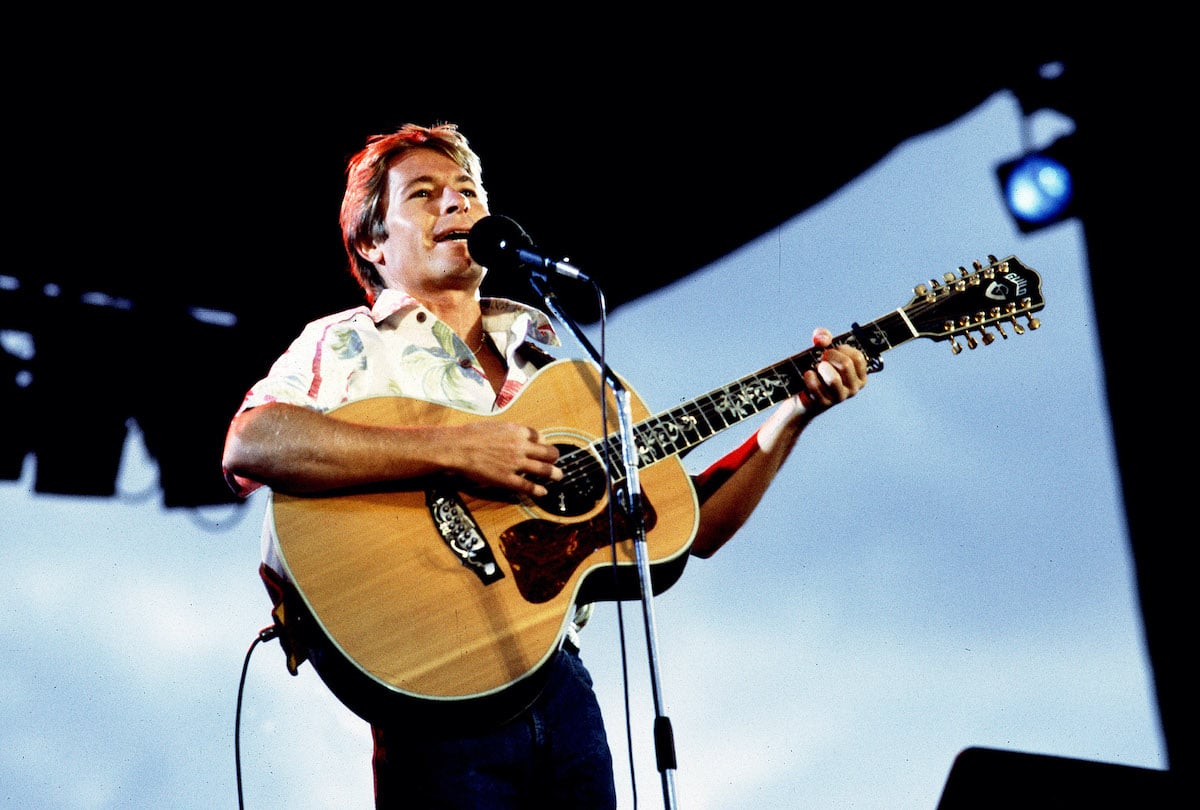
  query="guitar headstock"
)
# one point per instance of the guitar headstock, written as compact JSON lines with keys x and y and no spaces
{"x":972,"y":301}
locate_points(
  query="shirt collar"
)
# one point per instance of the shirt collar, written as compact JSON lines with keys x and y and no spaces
{"x":499,"y":314}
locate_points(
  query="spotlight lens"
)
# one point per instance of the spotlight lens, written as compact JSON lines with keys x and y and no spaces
{"x":1039,"y":189}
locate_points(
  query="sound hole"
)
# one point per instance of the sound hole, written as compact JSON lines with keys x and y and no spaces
{"x":582,"y":486}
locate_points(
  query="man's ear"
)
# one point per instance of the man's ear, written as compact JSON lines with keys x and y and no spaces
{"x":369,"y":251}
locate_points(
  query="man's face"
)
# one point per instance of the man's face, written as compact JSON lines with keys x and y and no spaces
{"x":431,"y":205}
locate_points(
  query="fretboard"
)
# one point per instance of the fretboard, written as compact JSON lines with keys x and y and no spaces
{"x":680,"y":429}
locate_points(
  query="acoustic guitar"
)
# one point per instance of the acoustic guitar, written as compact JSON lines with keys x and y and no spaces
{"x":436,"y":599}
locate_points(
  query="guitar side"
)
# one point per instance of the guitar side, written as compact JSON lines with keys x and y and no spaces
{"x":400,"y":606}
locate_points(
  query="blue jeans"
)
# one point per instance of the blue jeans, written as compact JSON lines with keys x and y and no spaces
{"x":555,"y":754}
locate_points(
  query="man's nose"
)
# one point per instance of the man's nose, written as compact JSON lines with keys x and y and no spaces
{"x":453,"y":200}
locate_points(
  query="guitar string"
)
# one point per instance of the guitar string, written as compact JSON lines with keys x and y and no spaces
{"x":585,"y":461}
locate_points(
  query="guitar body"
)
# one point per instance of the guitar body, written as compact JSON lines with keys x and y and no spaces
{"x":405,"y":625}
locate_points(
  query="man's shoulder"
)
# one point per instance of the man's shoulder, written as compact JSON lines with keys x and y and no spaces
{"x":348,"y":315}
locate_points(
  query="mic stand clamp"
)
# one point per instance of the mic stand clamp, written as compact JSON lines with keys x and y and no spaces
{"x":664,"y":739}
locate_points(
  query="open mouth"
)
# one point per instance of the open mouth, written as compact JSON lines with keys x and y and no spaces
{"x":454,"y":235}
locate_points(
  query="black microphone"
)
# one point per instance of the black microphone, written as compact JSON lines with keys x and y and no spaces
{"x":498,"y":242}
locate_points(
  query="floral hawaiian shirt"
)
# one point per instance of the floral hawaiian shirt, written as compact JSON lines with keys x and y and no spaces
{"x":399,"y":348}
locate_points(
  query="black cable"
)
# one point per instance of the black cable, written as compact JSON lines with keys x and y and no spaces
{"x":266,"y":634}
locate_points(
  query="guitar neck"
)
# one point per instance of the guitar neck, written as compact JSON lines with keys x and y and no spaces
{"x":973,"y":301}
{"x":681,"y":429}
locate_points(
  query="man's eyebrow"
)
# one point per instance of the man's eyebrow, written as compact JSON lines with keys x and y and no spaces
{"x":428,"y":178}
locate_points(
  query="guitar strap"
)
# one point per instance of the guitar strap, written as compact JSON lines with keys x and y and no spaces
{"x":535,"y":355}
{"x":287,"y":615}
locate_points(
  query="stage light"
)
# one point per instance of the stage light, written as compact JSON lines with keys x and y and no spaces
{"x":1039,"y":187}
{"x":79,"y":367}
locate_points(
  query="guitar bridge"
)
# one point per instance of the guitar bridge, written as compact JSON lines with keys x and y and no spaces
{"x":462,"y":534}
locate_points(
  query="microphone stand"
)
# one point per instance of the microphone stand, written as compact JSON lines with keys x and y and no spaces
{"x":664,"y":740}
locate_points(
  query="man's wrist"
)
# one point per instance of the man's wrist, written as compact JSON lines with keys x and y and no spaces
{"x":783,"y":417}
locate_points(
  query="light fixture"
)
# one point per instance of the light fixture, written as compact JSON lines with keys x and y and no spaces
{"x":1039,"y":186}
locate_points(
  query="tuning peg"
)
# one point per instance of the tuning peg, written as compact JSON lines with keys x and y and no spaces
{"x":984,"y":334}
{"x":987,"y":337}
{"x":994,"y":314}
{"x":1011,"y":309}
{"x":1034,"y":323}
{"x":950,"y":329}
{"x":964,"y":325}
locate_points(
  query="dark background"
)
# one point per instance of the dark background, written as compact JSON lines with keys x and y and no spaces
{"x":209,"y":174}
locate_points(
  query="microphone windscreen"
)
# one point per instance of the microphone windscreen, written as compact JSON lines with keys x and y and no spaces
{"x":494,"y":241}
